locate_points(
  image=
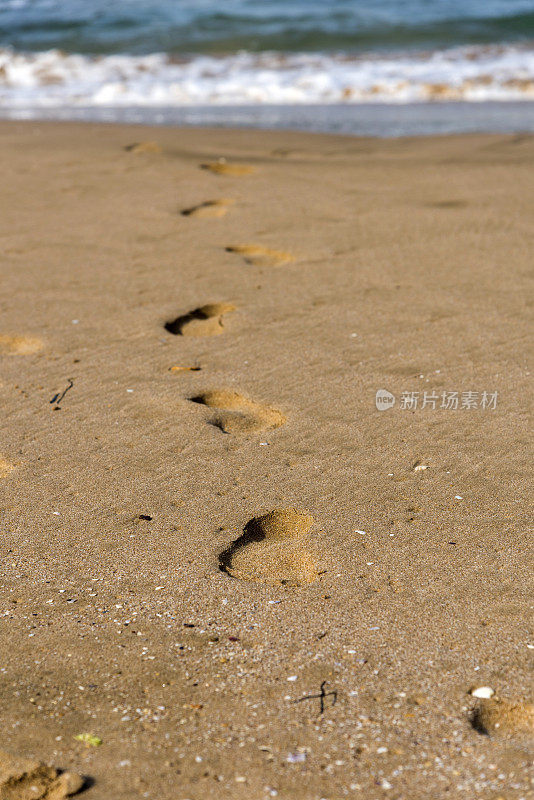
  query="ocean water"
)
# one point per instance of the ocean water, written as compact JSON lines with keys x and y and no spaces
{"x":159,"y":60}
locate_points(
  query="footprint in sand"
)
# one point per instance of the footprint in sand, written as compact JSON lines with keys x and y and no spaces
{"x":23,"y":779}
{"x":209,"y":209}
{"x":204,"y":321}
{"x":261,"y":256}
{"x":19,"y":345}
{"x":5,"y":467}
{"x":143,"y":147}
{"x":499,"y":717}
{"x":449,"y":204}
{"x":222,"y":167}
{"x":238,"y":414}
{"x":270,"y":550}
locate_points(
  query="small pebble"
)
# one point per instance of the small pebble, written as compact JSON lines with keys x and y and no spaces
{"x":296,"y":758}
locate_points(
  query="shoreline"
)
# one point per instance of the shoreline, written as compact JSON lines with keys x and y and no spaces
{"x":379,"y":120}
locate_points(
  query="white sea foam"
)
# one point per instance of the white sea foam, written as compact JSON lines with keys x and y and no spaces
{"x":55,"y":80}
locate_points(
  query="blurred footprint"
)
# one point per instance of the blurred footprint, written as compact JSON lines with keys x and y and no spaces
{"x":5,"y":467}
{"x":499,"y":717}
{"x":270,"y":550}
{"x":19,"y":345}
{"x":204,"y":321}
{"x":223,"y":168}
{"x":143,"y":147}
{"x":238,"y":414}
{"x":261,"y":256}
{"x":210,"y":208}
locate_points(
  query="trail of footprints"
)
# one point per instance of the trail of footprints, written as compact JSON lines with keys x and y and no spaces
{"x":271,"y":549}
{"x":236,"y":414}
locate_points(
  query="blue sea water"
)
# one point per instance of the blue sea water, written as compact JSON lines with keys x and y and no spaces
{"x":97,"y":59}
{"x":184,"y":27}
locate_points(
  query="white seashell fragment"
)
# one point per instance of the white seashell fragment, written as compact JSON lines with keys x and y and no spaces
{"x":483,"y":691}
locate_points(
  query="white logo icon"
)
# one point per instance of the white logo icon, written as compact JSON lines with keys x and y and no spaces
{"x":384,"y":400}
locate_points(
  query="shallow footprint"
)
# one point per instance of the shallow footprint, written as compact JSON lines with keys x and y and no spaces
{"x":5,"y":467}
{"x":143,"y":147}
{"x":449,"y":204}
{"x":23,"y":779}
{"x":271,"y":550}
{"x":223,"y":168}
{"x":204,"y":321}
{"x":499,"y":717}
{"x":19,"y":345}
{"x":238,"y":414}
{"x":261,"y":256}
{"x":209,"y":209}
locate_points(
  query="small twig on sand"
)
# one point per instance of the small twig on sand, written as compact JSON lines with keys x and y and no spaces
{"x":321,"y":697}
{"x":57,"y":398}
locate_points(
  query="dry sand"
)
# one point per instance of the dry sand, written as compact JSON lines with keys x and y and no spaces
{"x":305,"y":661}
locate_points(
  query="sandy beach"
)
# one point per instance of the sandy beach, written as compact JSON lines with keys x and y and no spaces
{"x":195,"y":324}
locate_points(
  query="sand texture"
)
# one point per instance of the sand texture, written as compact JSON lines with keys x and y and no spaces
{"x":224,"y":572}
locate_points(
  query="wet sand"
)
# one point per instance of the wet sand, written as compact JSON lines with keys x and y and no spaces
{"x":193,"y":332}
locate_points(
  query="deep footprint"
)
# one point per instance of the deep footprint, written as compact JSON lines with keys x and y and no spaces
{"x":223,"y":168}
{"x":261,"y":256}
{"x":499,"y":717}
{"x":209,"y":209}
{"x":204,"y":321}
{"x":19,"y":345}
{"x":271,"y":551}
{"x":23,"y":779}
{"x":238,"y":414}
